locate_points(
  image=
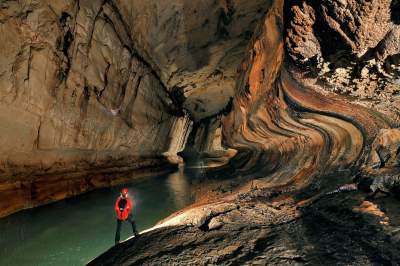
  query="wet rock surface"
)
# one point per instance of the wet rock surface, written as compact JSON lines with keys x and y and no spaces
{"x":269,"y":232}
{"x":309,"y":157}
{"x":305,"y":92}
{"x":75,"y":101}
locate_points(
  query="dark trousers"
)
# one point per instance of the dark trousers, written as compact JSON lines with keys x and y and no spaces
{"x":119,"y":223}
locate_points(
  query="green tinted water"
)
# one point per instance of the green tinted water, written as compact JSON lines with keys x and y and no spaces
{"x":73,"y":231}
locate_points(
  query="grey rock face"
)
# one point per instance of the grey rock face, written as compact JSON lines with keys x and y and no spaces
{"x":260,"y":232}
{"x":195,"y":46}
{"x":90,"y":84}
{"x":75,"y":97}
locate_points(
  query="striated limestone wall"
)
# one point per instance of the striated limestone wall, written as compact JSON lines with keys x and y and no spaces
{"x":315,"y":119}
{"x":89,"y":86}
{"x":94,"y":85}
{"x":76,"y":102}
{"x":289,"y":127}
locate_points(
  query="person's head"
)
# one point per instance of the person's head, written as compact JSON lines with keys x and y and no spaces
{"x":124,"y":192}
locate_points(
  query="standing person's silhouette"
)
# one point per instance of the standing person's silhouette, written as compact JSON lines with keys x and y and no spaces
{"x":123,"y":209}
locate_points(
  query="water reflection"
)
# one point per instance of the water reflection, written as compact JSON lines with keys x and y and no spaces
{"x":73,"y":231}
{"x":179,"y":186}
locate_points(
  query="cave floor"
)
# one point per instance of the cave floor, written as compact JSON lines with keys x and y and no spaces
{"x":344,"y":228}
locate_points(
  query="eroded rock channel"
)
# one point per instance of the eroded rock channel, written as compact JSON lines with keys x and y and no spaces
{"x":294,"y":104}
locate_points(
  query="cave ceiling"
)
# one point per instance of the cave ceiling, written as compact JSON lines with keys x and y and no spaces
{"x":194,"y":46}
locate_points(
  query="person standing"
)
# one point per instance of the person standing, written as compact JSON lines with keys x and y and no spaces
{"x":123,"y":209}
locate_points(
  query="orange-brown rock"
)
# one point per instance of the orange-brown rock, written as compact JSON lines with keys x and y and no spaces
{"x":288,"y":129}
{"x":307,"y":92}
{"x":301,"y":143}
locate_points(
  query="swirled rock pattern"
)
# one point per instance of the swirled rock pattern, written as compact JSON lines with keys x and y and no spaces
{"x":305,"y":91}
{"x":287,"y":126}
{"x":300,"y":145}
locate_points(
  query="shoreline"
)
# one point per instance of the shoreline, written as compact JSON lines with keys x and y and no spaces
{"x":17,"y":194}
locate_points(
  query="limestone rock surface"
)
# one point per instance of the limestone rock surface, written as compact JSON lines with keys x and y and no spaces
{"x":306,"y":92}
{"x":76,"y":100}
{"x":93,"y":84}
{"x":314,"y":115}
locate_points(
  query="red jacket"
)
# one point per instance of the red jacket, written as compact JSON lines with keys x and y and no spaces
{"x":123,"y":207}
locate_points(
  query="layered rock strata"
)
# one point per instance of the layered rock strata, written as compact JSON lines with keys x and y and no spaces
{"x":100,"y":86}
{"x":288,"y":127}
{"x":337,"y":229}
{"x":301,"y":144}
{"x":91,"y":88}
{"x":76,"y":102}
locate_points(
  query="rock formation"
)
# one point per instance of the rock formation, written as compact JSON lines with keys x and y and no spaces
{"x":77,"y":102}
{"x":305,"y":91}
{"x":286,"y":114}
{"x":94,"y":88}
{"x":315,"y":109}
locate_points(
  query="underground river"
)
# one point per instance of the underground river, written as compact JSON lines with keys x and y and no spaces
{"x":74,"y":231}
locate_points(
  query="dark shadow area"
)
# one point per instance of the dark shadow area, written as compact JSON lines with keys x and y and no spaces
{"x":395,"y":11}
{"x":333,"y":46}
{"x":334,"y":233}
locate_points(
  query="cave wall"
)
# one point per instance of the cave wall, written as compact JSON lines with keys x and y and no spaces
{"x":195,"y":46}
{"x":76,"y":102}
{"x":307,"y":140}
{"x":93,"y":87}
{"x":289,"y":127}
{"x":352,"y":48}
{"x":203,"y":142}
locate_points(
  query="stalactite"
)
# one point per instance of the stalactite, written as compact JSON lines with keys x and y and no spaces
{"x":179,"y":134}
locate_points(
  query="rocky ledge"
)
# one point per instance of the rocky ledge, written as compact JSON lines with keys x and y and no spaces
{"x":265,"y":228}
{"x":315,"y":123}
{"x":296,"y":102}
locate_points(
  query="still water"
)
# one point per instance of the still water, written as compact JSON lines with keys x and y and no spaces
{"x":73,"y":231}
